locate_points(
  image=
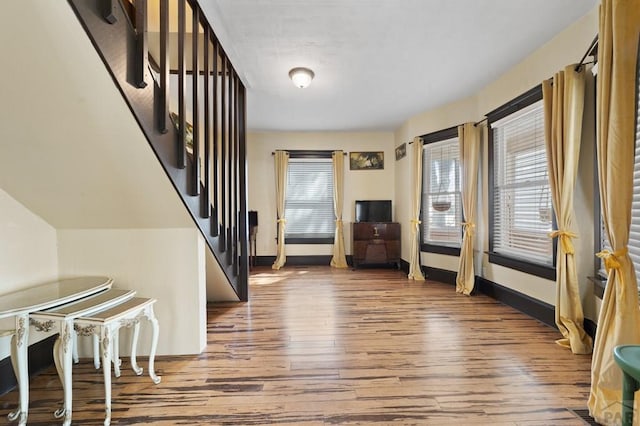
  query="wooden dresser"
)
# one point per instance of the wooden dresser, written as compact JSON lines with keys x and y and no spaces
{"x":375,"y":243}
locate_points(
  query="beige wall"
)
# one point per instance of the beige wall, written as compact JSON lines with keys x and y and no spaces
{"x":358,"y":185}
{"x":71,"y":150}
{"x":166,"y":264}
{"x":564,"y":49}
{"x":28,"y":254}
{"x":73,"y":154}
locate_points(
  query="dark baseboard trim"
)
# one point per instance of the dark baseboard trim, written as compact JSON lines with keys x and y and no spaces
{"x":40,"y":358}
{"x":537,"y":309}
{"x":298,"y":260}
{"x":404,"y":266}
{"x":440,"y":275}
{"x":590,"y":327}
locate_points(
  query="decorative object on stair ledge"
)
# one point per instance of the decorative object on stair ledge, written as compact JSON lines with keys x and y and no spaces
{"x":189,"y":137}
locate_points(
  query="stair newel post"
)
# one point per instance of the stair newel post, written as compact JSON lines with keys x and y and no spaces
{"x":205,"y":205}
{"x":194,"y":180}
{"x":182,"y":70}
{"x":215,"y":225}
{"x":243,"y":236}
{"x":223,"y":154}
{"x":142,"y":57}
{"x":163,"y":110}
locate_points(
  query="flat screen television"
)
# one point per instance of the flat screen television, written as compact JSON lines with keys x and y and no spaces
{"x":373,"y":211}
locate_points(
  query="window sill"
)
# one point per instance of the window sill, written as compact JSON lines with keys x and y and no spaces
{"x":308,"y":240}
{"x":448,"y":250}
{"x":542,"y":271}
{"x":599,"y":285}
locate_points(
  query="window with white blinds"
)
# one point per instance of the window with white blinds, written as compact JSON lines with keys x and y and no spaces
{"x":522,"y":212}
{"x":309,"y":199}
{"x":441,"y":197}
{"x":634,"y":232}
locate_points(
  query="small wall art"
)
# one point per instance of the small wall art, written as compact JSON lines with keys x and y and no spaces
{"x":401,"y":151}
{"x":366,"y":160}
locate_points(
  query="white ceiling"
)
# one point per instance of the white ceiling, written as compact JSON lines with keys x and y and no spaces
{"x":377,"y":62}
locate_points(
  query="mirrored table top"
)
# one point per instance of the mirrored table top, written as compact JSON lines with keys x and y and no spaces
{"x":51,"y":294}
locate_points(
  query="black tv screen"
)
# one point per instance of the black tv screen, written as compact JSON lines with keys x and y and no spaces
{"x":373,"y":211}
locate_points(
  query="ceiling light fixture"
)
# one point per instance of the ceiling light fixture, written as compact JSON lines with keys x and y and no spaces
{"x":301,"y":76}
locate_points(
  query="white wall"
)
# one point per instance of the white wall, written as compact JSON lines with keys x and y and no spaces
{"x":28,"y":254}
{"x":566,"y":48}
{"x":166,"y":264}
{"x":358,"y":184}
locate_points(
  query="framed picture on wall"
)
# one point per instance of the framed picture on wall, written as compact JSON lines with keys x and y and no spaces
{"x":366,"y":160}
{"x":401,"y":151}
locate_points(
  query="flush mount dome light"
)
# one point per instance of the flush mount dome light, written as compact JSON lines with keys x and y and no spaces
{"x":301,"y":76}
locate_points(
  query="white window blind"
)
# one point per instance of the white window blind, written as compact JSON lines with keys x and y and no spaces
{"x":441,"y":198}
{"x":309,"y":199}
{"x":634,"y":232}
{"x":522,"y":213}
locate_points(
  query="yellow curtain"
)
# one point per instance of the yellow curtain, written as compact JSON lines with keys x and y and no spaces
{"x":469,"y":138}
{"x":281,"y":163}
{"x":563,"y":99}
{"x":339,"y":259}
{"x":415,"y":272}
{"x":619,"y":313}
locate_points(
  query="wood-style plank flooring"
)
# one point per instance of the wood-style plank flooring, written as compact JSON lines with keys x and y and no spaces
{"x":319,"y":346}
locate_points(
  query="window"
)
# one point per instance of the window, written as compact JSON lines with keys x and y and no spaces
{"x":521,"y":216}
{"x":309,"y":201}
{"x":441,"y":196}
{"x":634,"y":232}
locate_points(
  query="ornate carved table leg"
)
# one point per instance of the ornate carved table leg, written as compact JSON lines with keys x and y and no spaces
{"x":154,"y":343}
{"x":19,"y":361}
{"x":134,"y":348}
{"x":105,"y":340}
{"x":66,"y":354}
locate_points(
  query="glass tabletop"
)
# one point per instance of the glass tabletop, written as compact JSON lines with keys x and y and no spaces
{"x":53,"y":293}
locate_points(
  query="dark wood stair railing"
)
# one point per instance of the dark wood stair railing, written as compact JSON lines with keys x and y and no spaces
{"x":209,"y":173}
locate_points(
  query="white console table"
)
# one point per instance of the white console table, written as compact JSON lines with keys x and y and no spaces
{"x":21,"y":303}
{"x":63,"y":316}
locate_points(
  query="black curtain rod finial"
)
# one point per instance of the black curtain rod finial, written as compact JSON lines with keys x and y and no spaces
{"x":480,"y":122}
{"x":589,"y":52}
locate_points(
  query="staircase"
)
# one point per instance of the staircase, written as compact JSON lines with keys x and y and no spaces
{"x":205,"y":158}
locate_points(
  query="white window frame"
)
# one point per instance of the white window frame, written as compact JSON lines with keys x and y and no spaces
{"x":309,"y":209}
{"x":441,"y":228}
{"x":519,"y":239}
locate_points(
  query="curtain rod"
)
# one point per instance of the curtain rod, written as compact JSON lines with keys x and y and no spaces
{"x":309,"y":151}
{"x":480,"y":122}
{"x":589,"y":52}
{"x":474,"y":125}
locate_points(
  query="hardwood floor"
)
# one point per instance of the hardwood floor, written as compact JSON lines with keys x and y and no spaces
{"x":319,"y":346}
